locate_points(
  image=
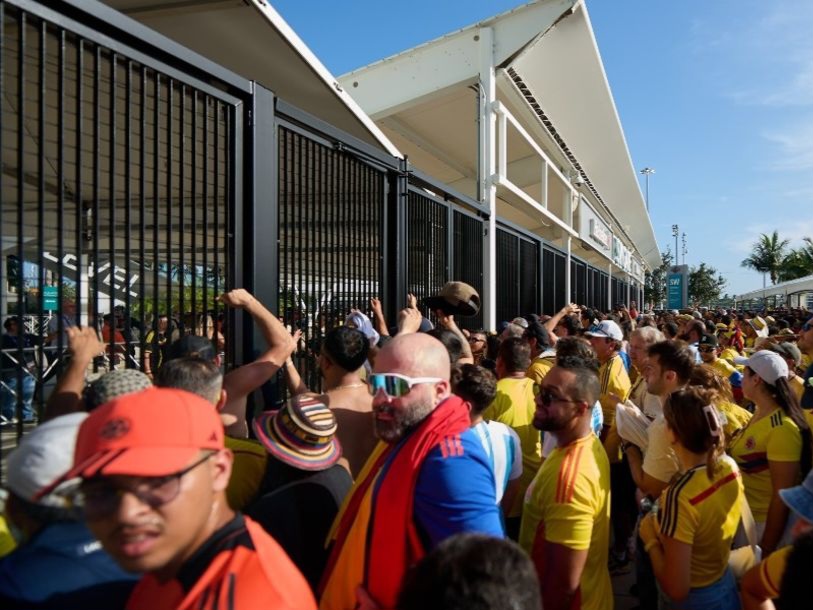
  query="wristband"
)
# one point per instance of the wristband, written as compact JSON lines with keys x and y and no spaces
{"x":652,"y":543}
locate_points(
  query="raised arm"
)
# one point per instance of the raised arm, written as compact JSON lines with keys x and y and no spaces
{"x":292,"y":377}
{"x":568,"y":309}
{"x":243,"y":380}
{"x":447,"y":321}
{"x":84,"y":345}
{"x":378,"y":317}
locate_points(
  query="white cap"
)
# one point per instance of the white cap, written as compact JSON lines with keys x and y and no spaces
{"x":769,"y":365}
{"x":44,"y":455}
{"x":607,"y":329}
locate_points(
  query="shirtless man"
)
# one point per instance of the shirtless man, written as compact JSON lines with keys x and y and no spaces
{"x":341,"y":357}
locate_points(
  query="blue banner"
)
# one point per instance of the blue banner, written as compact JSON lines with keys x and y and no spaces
{"x":674,"y":291}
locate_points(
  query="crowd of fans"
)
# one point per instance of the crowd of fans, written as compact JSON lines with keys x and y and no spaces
{"x":433,"y":467}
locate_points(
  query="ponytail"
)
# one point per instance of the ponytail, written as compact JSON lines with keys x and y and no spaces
{"x":717,"y":449}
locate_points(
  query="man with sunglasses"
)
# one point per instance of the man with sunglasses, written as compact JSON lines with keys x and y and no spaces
{"x":431,"y":481}
{"x":566,"y":518}
{"x":154,"y":472}
{"x":805,"y":345}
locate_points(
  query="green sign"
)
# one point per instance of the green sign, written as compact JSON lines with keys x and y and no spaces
{"x":50,"y":298}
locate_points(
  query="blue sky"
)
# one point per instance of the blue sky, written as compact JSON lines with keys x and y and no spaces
{"x":716,"y":96}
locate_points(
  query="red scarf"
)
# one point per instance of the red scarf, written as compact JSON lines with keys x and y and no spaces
{"x":393,"y":541}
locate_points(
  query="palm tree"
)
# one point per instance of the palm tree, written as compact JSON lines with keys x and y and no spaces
{"x":767,"y":255}
{"x":798,"y":263}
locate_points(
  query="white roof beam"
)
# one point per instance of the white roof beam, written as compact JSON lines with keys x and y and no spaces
{"x":398,"y":126}
{"x":388,"y":86}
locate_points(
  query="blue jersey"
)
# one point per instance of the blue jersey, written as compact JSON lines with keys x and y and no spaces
{"x":455,"y":491}
{"x":63,"y":566}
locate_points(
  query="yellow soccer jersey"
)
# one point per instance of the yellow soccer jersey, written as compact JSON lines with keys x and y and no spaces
{"x":728,"y":354}
{"x":514,"y":406}
{"x":568,"y":503}
{"x":772,"y":568}
{"x":723,"y":368}
{"x":248,"y":470}
{"x":734,"y":417}
{"x":541,"y":365}
{"x":774,"y":438}
{"x":614,"y":380}
{"x":704,"y":513}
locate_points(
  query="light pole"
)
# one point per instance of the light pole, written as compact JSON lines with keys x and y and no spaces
{"x":675,"y":233}
{"x":684,"y":249}
{"x":646,"y":172}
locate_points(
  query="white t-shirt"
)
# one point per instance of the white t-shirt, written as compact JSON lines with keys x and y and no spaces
{"x":504,"y":453}
{"x":660,"y":461}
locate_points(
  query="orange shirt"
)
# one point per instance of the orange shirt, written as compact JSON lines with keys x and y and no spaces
{"x":239,"y":568}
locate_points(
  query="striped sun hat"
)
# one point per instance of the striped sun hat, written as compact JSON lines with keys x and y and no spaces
{"x":301,"y":433}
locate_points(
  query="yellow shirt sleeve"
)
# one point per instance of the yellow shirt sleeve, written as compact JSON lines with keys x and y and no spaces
{"x":785,"y":443}
{"x":772,"y":568}
{"x":678,"y":519}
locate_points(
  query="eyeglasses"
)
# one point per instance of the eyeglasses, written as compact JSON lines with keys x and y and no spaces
{"x":395,"y":385}
{"x":99,"y":497}
{"x":476,"y":339}
{"x":705,"y":349}
{"x":547,"y":397}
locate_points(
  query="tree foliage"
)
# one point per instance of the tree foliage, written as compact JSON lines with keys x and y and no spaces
{"x":767,"y":255}
{"x":655,"y":281}
{"x":798,"y":262}
{"x":705,"y":285}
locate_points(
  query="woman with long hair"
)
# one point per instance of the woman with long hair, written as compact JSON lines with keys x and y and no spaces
{"x":774,"y":450}
{"x":689,"y":538}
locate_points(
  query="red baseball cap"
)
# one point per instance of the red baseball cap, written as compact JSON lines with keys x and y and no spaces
{"x":152,"y":433}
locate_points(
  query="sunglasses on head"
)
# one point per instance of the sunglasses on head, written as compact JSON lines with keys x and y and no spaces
{"x":395,"y":385}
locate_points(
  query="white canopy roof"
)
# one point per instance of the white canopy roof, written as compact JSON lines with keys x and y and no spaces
{"x":423,"y":101}
{"x":803,"y":284}
{"x":250,"y":38}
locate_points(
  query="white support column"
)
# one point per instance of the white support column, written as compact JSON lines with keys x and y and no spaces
{"x":568,"y":277}
{"x":488,"y":170}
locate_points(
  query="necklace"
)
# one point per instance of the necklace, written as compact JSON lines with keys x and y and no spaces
{"x":347,"y":386}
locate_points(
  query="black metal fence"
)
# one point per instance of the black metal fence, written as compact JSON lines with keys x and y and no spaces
{"x":140,"y":180}
{"x":578,"y":282}
{"x":117,"y":190}
{"x":518,"y":286}
{"x":331,"y":238}
{"x":444,"y":242}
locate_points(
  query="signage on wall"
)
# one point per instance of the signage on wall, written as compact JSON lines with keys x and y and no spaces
{"x":600,"y":234}
{"x":677,"y":287}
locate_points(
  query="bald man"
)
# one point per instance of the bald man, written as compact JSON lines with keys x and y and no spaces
{"x":432,"y":480}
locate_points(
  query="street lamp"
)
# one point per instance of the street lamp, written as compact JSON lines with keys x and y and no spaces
{"x":675,"y":233}
{"x":646,"y":172}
